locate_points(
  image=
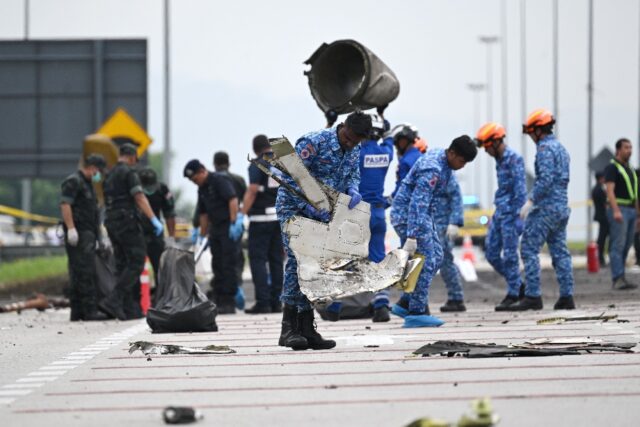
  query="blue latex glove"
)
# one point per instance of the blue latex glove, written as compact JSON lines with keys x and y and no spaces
{"x":195,"y":235}
{"x":356,"y":197}
{"x":318,"y":214}
{"x":158,"y":228}
{"x":235,"y":231}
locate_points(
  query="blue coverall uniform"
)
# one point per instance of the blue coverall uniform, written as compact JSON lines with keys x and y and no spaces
{"x":547,"y":221}
{"x":325,"y":159}
{"x":450,"y":212}
{"x":405,"y":163}
{"x":374,"y":163}
{"x":412,"y":216}
{"x":501,"y":245}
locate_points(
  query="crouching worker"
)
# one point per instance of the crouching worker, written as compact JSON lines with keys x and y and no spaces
{"x":413,"y":217}
{"x":331,"y":156}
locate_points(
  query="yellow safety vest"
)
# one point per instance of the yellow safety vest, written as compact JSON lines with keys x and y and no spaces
{"x":633,"y":191}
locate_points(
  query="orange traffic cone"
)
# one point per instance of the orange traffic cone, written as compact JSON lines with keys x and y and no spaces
{"x":467,"y":249}
{"x":145,"y":289}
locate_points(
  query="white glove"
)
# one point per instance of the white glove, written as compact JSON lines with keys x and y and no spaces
{"x":411,"y":245}
{"x":524,"y":212}
{"x":452,"y":230}
{"x":72,"y":237}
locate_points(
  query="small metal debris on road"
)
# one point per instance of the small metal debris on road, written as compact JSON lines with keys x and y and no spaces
{"x":482,"y":416}
{"x":540,"y":347}
{"x":37,"y":301}
{"x":148,"y":348}
{"x":558,"y":320}
{"x":181,"y":415}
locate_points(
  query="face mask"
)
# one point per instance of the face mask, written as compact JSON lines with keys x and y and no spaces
{"x":97,"y":177}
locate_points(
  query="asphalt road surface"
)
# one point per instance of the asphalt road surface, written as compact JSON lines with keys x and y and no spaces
{"x":54,"y":372}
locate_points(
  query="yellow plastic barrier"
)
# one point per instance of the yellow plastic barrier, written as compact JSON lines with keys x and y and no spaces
{"x":18,"y":213}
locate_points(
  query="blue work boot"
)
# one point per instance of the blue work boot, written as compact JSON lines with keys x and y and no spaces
{"x":239,"y":298}
{"x":422,"y":321}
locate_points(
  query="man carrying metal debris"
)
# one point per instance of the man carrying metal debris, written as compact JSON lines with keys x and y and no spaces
{"x":501,"y":246}
{"x":547,"y":214}
{"x":448,"y":219}
{"x":81,"y":223}
{"x":413,"y":217}
{"x":331,"y":156}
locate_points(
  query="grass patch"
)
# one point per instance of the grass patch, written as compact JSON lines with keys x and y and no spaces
{"x":23,"y":270}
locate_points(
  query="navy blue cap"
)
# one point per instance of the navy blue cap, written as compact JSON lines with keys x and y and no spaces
{"x":192,"y":167}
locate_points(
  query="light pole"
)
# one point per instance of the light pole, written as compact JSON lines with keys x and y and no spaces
{"x":523,"y":75}
{"x":166,"y":156}
{"x":476,"y":89}
{"x":589,"y":117}
{"x":489,"y":41}
{"x":503,"y":57}
{"x":556,"y":109}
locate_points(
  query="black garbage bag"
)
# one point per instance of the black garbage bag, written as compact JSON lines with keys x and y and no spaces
{"x":180,"y":305}
{"x":354,"y":307}
{"x":105,"y":272}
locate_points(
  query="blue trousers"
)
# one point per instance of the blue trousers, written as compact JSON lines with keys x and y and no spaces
{"x":378,"y":226}
{"x":429,"y":246}
{"x":550,"y":227}
{"x":501,"y":251}
{"x":448,"y":269}
{"x":291,"y":293}
{"x":620,"y":239}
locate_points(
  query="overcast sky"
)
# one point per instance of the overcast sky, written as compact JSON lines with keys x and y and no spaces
{"x":237,"y":68}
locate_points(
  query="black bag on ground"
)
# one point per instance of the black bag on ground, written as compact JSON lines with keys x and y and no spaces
{"x":180,"y":304}
{"x":354,"y":307}
{"x":105,"y":272}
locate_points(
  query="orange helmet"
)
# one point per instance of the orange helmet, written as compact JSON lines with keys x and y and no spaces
{"x":538,"y":118}
{"x":421,"y":144}
{"x":490,"y":132}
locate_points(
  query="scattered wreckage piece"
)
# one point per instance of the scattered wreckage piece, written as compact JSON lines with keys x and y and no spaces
{"x":332,"y":257}
{"x":558,"y":320}
{"x":37,"y":301}
{"x":482,"y":415}
{"x":542,"y":347}
{"x":149,"y":348}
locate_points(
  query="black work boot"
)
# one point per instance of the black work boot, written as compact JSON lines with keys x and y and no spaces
{"x":528,"y":303}
{"x":258,"y":309}
{"x":307,"y":327}
{"x":226,"y":304}
{"x":131,"y":307}
{"x":290,"y":334}
{"x":381,"y":314}
{"x":112,"y":306}
{"x":94,"y":316}
{"x":521,"y":294}
{"x":276,"y":307}
{"x":452,"y":306}
{"x":507,"y":302}
{"x":565,"y":303}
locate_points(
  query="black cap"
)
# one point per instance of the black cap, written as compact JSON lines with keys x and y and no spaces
{"x":221,"y":158}
{"x":95,"y":160}
{"x":192,"y":167}
{"x":128,"y":149}
{"x":149,"y":179}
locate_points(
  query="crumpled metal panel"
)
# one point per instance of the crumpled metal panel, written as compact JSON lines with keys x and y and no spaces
{"x":286,"y":158}
{"x":332,"y":257}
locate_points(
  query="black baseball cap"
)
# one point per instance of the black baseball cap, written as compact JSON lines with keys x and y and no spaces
{"x":192,"y":167}
{"x":95,"y":160}
{"x":149,"y":179}
{"x":128,"y":149}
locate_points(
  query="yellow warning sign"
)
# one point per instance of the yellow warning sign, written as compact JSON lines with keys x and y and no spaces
{"x":122,"y":125}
